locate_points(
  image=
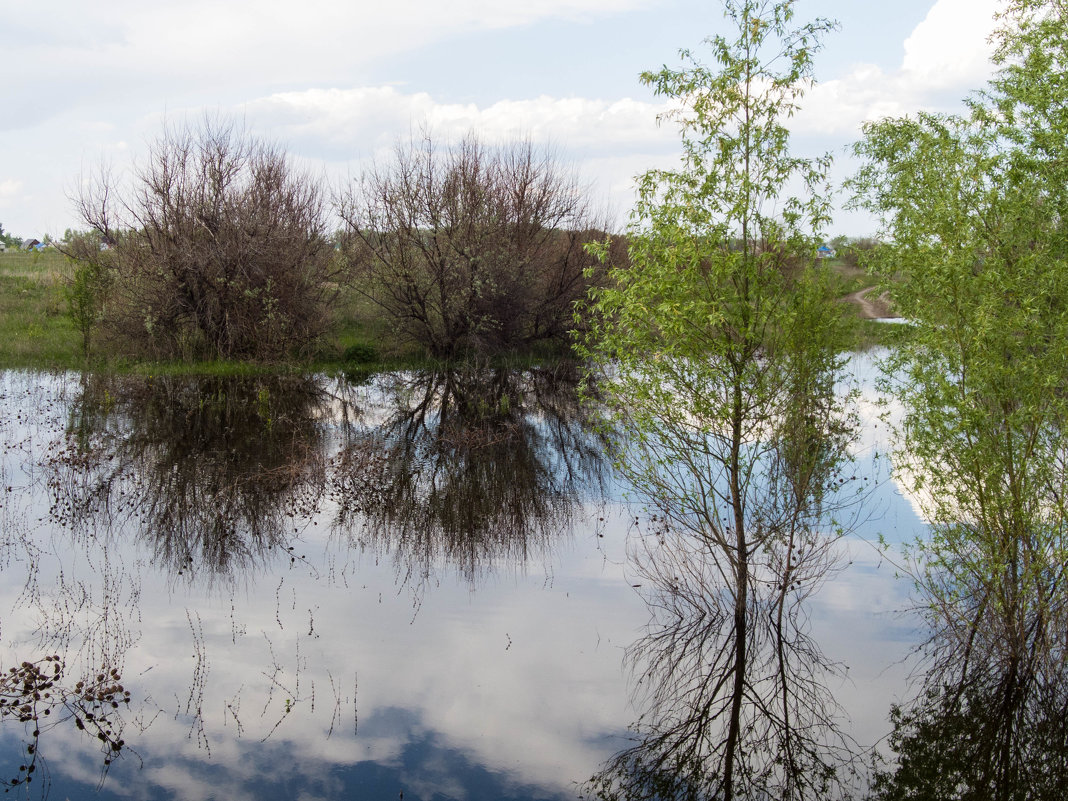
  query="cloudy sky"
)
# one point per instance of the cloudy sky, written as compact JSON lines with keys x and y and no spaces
{"x":337,"y":82}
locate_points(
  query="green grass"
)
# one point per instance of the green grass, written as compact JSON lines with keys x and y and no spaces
{"x":34,"y":328}
{"x":868,"y":334}
{"x":35,"y":331}
{"x":850,"y":279}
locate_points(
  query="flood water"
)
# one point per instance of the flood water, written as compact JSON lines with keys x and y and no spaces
{"x":330,"y":588}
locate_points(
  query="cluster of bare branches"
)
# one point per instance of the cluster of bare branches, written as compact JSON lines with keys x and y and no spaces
{"x":471,"y":248}
{"x":38,"y":695}
{"x":219,"y":248}
{"x":733,"y":685}
{"x":208,"y":471}
{"x":472,"y":468}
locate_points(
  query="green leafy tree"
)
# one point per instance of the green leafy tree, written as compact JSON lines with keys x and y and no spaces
{"x":8,"y":239}
{"x":975,"y":242}
{"x":719,"y":337}
{"x":87,"y":287}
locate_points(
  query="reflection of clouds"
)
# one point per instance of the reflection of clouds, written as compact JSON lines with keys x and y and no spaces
{"x":862,"y":619}
{"x":881,"y":417}
{"x":909,"y":477}
{"x":518,"y":676}
{"x":528,"y":709}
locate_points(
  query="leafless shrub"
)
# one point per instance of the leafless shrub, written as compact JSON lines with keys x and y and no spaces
{"x":218,"y":248}
{"x":471,"y":248}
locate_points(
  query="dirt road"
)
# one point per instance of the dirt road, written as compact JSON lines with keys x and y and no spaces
{"x":870,"y":308}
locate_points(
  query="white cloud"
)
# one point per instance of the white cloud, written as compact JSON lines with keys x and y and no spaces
{"x":9,"y":189}
{"x":375,"y":116}
{"x":950,"y":46}
{"x":946,"y":57}
{"x":170,"y":47}
{"x":318,"y":79}
{"x":610,"y":140}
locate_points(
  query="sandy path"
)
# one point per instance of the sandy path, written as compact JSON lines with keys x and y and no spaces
{"x":874,"y":308}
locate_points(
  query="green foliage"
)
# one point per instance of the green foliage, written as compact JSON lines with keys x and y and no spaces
{"x":720,"y":339}
{"x":722,"y":303}
{"x":360,"y":353}
{"x":948,"y":747}
{"x":87,"y":287}
{"x":9,"y":240}
{"x":973,"y":209}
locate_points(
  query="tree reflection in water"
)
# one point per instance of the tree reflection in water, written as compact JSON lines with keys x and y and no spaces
{"x":737,"y":704}
{"x":208,"y":477}
{"x":991,"y":719}
{"x":791,"y":744}
{"x":981,"y":739}
{"x":31,"y":692}
{"x":471,"y":467}
{"x":210,"y":470}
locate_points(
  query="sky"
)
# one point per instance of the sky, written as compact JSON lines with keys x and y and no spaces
{"x":337,"y":84}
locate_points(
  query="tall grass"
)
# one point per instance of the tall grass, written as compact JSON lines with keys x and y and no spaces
{"x":35,"y":330}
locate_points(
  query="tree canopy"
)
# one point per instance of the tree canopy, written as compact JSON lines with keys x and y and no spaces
{"x":719,"y":342}
{"x":975,"y":247}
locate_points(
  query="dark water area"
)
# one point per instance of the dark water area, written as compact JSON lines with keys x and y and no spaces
{"x":420,"y":583}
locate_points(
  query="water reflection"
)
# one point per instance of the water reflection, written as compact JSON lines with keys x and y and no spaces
{"x":152,"y":478}
{"x":470,"y":467}
{"x":991,"y":718}
{"x":789,"y":743}
{"x":731,"y":683}
{"x":979,"y":741}
{"x":41,"y":696}
{"x":512,"y":691}
{"x":210,"y":471}
{"x":465,"y":468}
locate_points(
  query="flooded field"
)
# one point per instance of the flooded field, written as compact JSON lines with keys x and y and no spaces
{"x":279,"y":588}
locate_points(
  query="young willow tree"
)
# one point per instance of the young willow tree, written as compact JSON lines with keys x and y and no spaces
{"x":975,"y":211}
{"x":719,"y":338}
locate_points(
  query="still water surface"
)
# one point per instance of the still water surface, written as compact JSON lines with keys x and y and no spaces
{"x":320,"y":588}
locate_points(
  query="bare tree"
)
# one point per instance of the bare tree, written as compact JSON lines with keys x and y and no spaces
{"x":471,"y":466}
{"x":206,"y":471}
{"x":471,"y":248}
{"x":219,"y":247}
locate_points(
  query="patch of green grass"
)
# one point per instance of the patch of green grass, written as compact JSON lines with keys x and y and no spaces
{"x":870,"y":334}
{"x":34,"y":328}
{"x":36,"y":332}
{"x":848,"y":279}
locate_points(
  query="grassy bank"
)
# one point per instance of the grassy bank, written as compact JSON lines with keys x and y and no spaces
{"x":35,"y":331}
{"x":34,"y":328}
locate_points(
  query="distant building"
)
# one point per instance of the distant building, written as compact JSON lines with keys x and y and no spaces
{"x":31,"y":244}
{"x":825,"y":252}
